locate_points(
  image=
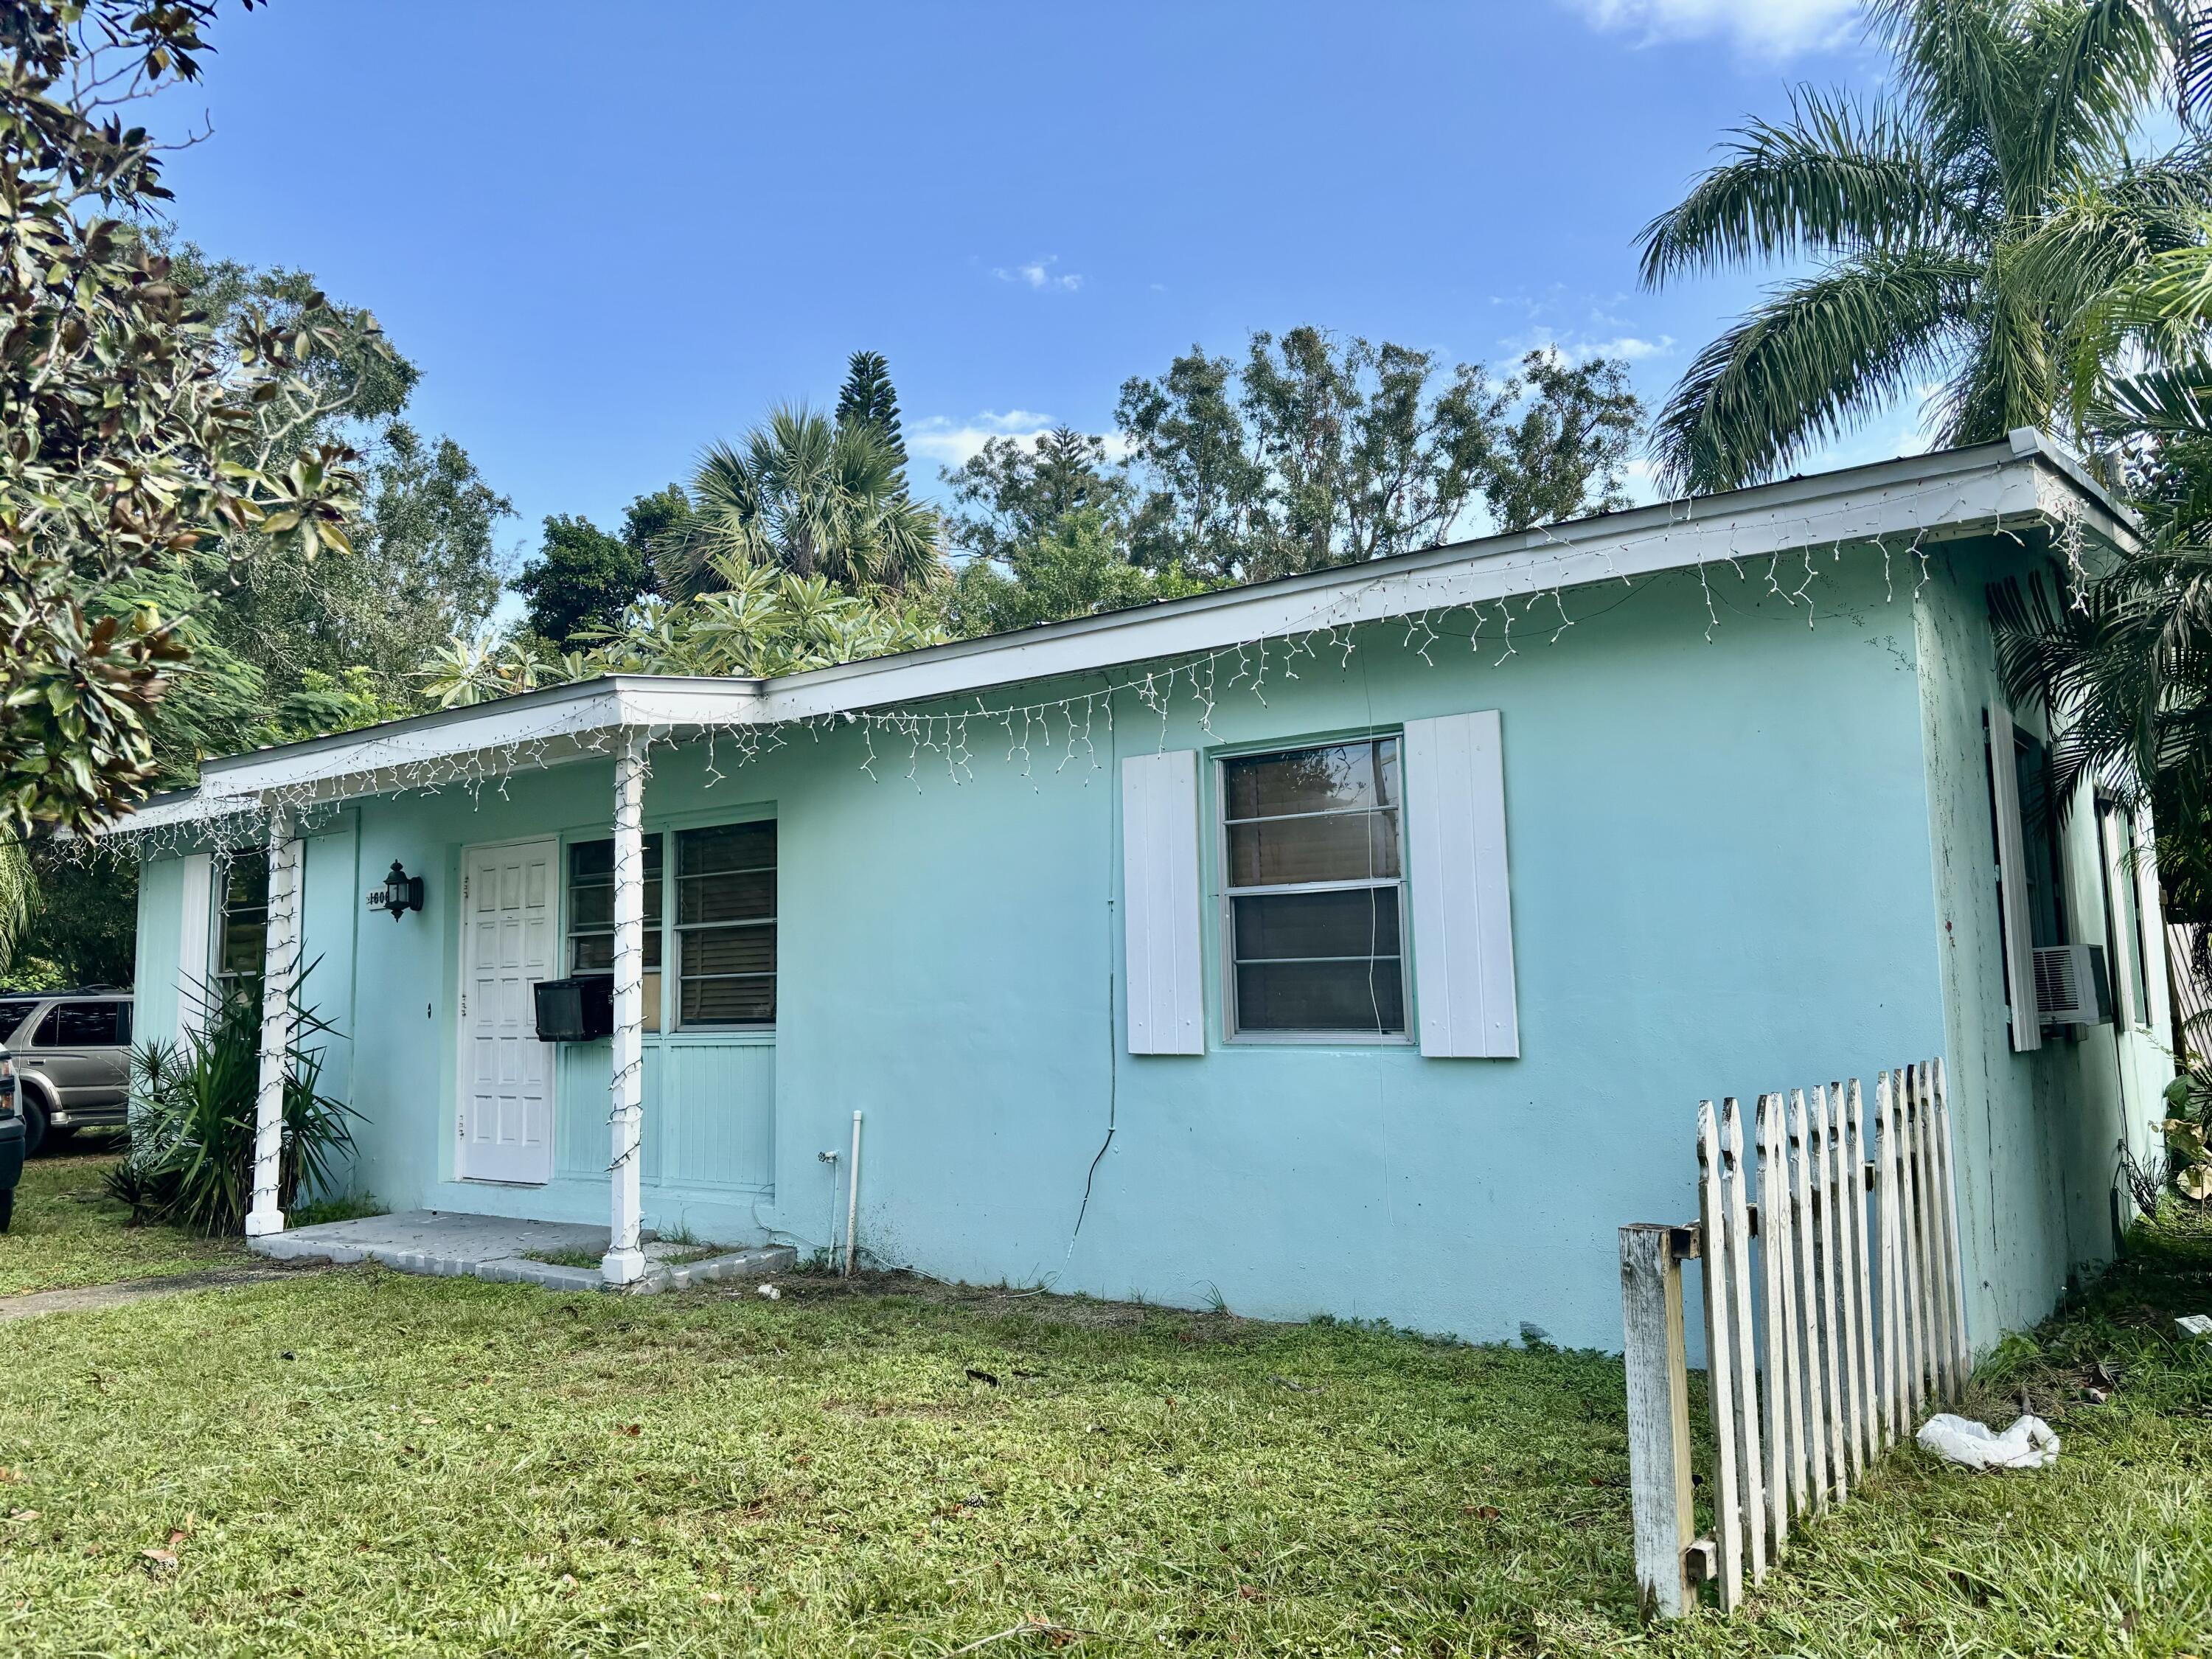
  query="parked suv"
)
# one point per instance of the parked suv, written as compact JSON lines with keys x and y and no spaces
{"x":71,"y":1051}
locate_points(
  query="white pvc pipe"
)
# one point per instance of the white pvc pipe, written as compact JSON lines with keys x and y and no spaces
{"x":853,"y":1198}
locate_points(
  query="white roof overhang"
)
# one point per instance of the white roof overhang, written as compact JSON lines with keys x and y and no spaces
{"x":2022,"y":481}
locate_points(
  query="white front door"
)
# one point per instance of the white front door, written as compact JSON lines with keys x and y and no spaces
{"x":506,"y":947}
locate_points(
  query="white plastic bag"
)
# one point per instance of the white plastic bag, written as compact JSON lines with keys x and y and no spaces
{"x":2029,"y":1444}
{"x":2194,"y":1324}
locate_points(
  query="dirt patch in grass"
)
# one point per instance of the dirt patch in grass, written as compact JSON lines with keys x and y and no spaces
{"x":68,"y":1231}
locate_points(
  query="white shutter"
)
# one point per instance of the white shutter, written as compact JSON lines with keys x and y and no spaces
{"x":2012,"y":881}
{"x":1159,"y":902}
{"x":2151,"y":939}
{"x":195,"y":943}
{"x":1455,"y":788}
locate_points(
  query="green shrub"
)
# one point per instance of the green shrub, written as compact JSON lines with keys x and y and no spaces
{"x":192,"y":1112}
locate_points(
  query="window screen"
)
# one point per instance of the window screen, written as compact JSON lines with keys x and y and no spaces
{"x":2046,"y":907}
{"x":592,"y":906}
{"x":241,"y":945}
{"x":592,"y":918}
{"x":1314,"y":887}
{"x":726,"y":925}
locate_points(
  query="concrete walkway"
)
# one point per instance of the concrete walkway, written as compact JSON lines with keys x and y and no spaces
{"x":451,"y":1245}
{"x":85,"y":1298}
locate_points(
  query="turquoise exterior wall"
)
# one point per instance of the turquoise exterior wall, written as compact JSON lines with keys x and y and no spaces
{"x":2038,"y":1132}
{"x":1724,"y":858}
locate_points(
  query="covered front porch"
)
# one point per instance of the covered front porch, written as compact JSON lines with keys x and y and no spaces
{"x":524,"y":1147}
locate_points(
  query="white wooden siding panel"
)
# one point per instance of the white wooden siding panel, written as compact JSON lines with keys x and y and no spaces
{"x":195,"y":943}
{"x":1160,"y":902}
{"x":1454,"y":786}
{"x":2012,"y":875}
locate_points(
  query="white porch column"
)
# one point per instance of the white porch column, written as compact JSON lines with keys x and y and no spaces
{"x":625,"y":1261}
{"x":279,"y":962}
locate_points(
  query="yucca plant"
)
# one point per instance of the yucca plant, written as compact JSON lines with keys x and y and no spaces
{"x":192,"y":1112}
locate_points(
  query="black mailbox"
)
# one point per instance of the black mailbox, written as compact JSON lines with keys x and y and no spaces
{"x":575,"y":1009}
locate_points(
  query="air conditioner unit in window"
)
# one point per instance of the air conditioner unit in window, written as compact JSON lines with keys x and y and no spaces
{"x":2071,"y":986}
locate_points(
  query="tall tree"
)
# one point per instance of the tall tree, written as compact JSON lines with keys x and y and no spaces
{"x":810,"y":495}
{"x":1321,"y":451}
{"x":1015,"y":489}
{"x":580,"y":578}
{"x":1075,"y":565}
{"x":1960,"y":225}
{"x":867,"y":397}
{"x":425,"y":527}
{"x":122,"y":413}
{"x":1565,"y":436}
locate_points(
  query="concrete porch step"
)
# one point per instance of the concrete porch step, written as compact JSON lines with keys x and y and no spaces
{"x":451,"y":1245}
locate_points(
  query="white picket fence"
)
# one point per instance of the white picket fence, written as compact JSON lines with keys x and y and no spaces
{"x":1835,"y":1314}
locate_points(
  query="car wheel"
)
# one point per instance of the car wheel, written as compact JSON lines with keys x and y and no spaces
{"x":7,"y":1206}
{"x":34,"y":1125}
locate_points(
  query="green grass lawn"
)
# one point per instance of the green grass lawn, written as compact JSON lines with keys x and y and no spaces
{"x":67,"y":1232}
{"x":363,"y":1462}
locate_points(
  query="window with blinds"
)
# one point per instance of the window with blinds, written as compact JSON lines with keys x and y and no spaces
{"x":241,"y":943}
{"x":592,"y":916}
{"x":725,"y":926}
{"x":1314,"y":889}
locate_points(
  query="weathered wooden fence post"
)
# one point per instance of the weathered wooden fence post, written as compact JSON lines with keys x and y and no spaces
{"x":1829,"y":1330}
{"x":1652,"y":1256}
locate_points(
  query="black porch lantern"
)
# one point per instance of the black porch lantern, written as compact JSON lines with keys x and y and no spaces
{"x":402,"y":892}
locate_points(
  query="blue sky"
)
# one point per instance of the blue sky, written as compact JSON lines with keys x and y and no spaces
{"x":610,"y":233}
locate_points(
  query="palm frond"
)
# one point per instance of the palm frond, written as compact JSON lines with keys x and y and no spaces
{"x":1807,"y":364}
{"x":1958,"y":70}
{"x":2095,"y":66}
{"x":1837,"y":177}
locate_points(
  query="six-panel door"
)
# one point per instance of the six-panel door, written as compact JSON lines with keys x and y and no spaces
{"x":507,"y":945}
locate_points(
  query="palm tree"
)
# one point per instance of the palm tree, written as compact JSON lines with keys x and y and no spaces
{"x":811,"y":497}
{"x":1960,"y":225}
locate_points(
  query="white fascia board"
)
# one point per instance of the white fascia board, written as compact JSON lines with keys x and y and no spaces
{"x":1896,"y":501}
{"x":543,"y":728}
{"x":337,"y":761}
{"x":183,"y":806}
{"x":2020,"y":480}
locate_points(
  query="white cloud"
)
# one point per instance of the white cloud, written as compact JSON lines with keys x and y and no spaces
{"x":1629,"y":346}
{"x":1038,"y":273}
{"x":1768,"y":28}
{"x":1580,"y":349}
{"x":942,"y":439}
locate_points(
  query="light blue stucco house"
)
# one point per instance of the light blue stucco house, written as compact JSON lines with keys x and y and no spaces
{"x":1360,"y":942}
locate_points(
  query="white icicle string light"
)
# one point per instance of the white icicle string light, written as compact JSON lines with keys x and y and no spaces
{"x":1061,"y":729}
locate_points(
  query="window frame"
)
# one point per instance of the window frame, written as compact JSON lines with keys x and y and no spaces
{"x":222,"y":981}
{"x":663,"y":1021}
{"x":1227,"y":894}
{"x":671,"y":908}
